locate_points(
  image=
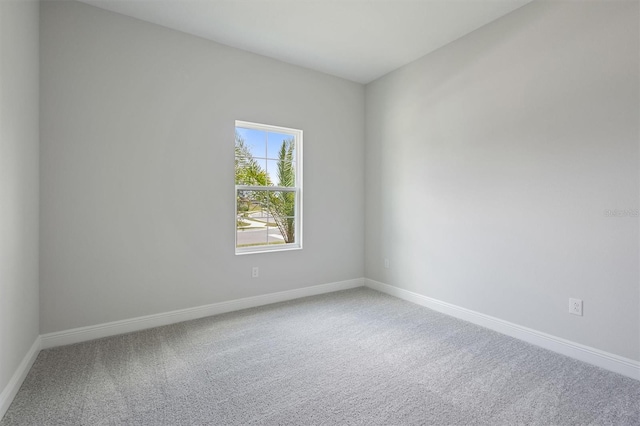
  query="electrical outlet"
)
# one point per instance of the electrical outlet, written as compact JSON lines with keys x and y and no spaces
{"x":255,"y":272}
{"x":386,"y":263}
{"x":575,"y":307}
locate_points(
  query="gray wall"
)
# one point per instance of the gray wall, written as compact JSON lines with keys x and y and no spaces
{"x":490,"y":164}
{"x":18,"y":183}
{"x":137,"y":169}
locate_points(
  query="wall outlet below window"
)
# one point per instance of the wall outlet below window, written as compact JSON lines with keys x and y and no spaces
{"x":255,"y":272}
{"x":575,"y":307}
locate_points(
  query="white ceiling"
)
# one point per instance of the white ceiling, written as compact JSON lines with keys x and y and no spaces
{"x":359,"y":40}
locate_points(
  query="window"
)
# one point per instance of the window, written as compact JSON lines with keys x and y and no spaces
{"x":268,"y":168}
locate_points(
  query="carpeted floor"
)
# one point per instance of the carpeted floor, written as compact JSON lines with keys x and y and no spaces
{"x":356,"y":357}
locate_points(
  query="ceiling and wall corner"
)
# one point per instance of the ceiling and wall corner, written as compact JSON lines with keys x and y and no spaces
{"x":359,"y":40}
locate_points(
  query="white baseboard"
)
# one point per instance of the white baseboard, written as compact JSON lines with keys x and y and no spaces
{"x":83,"y":334}
{"x":10,"y":391}
{"x":608,"y":361}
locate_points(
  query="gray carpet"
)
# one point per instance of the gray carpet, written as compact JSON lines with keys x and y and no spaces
{"x":356,"y":357}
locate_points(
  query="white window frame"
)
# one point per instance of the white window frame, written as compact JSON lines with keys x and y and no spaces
{"x":297,"y":245}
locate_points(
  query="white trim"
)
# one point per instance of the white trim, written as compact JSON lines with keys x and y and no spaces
{"x":597,"y":357}
{"x":266,"y":188}
{"x":267,"y":127}
{"x":11,"y":389}
{"x":98,"y":331}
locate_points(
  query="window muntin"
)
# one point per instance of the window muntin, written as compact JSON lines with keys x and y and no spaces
{"x":268,"y":191}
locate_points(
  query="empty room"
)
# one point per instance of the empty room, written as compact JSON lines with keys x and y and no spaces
{"x":337,"y":212}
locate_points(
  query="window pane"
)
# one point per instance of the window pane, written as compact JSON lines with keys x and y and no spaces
{"x":274,"y":236}
{"x":249,"y":230}
{"x":243,"y":203}
{"x":250,"y":204}
{"x":251,"y":237}
{"x":250,"y":162}
{"x":282,"y":206}
{"x":265,"y":217}
{"x":254,"y":140}
{"x":281,"y":173}
{"x":274,"y":144}
{"x":272,"y":171}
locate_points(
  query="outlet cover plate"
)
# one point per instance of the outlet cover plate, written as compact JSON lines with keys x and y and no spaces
{"x":575,"y":307}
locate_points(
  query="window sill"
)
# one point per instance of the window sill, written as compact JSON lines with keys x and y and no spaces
{"x":267,"y":249}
